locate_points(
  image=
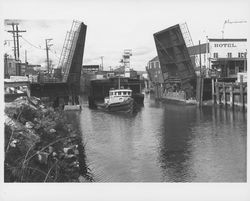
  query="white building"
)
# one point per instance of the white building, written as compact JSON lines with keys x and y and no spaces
{"x":228,"y":56}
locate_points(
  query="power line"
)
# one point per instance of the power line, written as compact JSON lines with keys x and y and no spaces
{"x":54,"y":52}
{"x":32,"y":44}
{"x":39,"y":47}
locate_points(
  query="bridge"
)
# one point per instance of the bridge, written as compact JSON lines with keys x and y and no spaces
{"x":70,"y":64}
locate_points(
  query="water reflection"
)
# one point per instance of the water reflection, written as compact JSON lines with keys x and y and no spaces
{"x":175,"y":142}
{"x":164,"y":142}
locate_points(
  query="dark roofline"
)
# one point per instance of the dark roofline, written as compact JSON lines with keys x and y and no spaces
{"x":154,"y":59}
{"x":195,"y":50}
{"x":226,"y":39}
{"x":167,"y":29}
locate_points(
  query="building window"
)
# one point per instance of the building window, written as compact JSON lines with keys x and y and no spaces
{"x":216,"y":55}
{"x":157,"y":64}
{"x":152,"y":64}
{"x":9,"y":65}
{"x":242,"y":55}
{"x":229,"y":54}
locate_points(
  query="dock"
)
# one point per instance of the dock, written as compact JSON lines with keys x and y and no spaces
{"x":231,"y":94}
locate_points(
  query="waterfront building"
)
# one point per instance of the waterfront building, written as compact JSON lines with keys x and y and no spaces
{"x":228,"y":57}
{"x":11,"y":67}
{"x":90,"y":68}
{"x":153,"y":69}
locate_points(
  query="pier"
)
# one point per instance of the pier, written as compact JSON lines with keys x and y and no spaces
{"x":231,"y":94}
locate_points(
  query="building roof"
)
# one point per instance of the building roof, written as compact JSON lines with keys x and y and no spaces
{"x":228,"y":59}
{"x":226,"y":39}
{"x":154,"y":59}
{"x":30,"y":71}
{"x":120,"y":69}
{"x":194,"y":50}
{"x":90,"y":66}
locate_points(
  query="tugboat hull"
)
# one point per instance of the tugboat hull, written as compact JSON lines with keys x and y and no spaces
{"x":126,"y":106}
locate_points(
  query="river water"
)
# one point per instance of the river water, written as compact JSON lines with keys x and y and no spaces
{"x":166,"y":143}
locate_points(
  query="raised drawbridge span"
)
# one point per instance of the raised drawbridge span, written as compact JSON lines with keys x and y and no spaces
{"x":70,"y":65}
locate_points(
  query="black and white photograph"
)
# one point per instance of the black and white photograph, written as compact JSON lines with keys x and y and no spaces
{"x":147,"y":95}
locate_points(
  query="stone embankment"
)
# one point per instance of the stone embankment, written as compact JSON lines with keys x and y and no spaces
{"x":41,"y":146}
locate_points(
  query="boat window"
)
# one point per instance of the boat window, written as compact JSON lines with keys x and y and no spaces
{"x":116,"y":93}
{"x":119,"y":93}
{"x":129,"y":93}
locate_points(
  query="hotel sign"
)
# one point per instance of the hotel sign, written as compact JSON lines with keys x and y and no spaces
{"x":225,"y":45}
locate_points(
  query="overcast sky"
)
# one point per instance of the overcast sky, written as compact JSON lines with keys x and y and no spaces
{"x":114,"y":25}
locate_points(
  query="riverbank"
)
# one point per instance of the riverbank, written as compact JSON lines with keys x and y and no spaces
{"x":41,"y":146}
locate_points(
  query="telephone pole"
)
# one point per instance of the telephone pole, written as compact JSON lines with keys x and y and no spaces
{"x":47,"y":52}
{"x":26,"y":56}
{"x":102,"y":62}
{"x":17,"y":39}
{"x":16,"y":36}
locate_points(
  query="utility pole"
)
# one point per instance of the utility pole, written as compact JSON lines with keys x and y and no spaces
{"x":201,"y":77}
{"x":102,"y":62}
{"x":25,"y":56}
{"x":16,"y":38}
{"x":47,"y":52}
{"x":200,"y":55}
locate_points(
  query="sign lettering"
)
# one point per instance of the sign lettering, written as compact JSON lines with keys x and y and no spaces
{"x":224,"y":45}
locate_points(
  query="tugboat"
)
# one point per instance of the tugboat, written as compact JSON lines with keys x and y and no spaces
{"x":119,"y":100}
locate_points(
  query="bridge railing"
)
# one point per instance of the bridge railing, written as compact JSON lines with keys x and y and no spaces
{"x":68,"y":49}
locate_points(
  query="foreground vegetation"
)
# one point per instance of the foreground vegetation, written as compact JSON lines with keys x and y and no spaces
{"x":40,"y":145}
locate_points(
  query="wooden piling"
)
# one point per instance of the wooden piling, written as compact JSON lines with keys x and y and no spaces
{"x":213,"y":93}
{"x":224,"y":94}
{"x":231,"y":101}
{"x":241,"y":95}
{"x":202,"y":89}
{"x":199,"y":90}
{"x":236,"y":92}
{"x":217,"y":94}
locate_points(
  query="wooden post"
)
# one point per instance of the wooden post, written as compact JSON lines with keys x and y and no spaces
{"x":157,"y":92}
{"x":217,"y":94}
{"x":213,"y":94}
{"x":198,"y":90}
{"x":224,"y":93}
{"x":231,"y":101}
{"x":202,"y":87}
{"x":241,"y":95}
